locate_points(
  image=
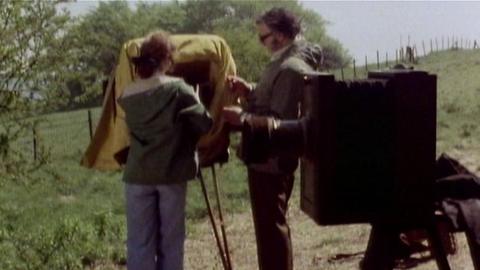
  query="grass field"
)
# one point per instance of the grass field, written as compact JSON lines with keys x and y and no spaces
{"x":69,"y":217}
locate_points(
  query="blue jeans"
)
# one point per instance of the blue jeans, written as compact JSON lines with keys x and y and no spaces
{"x":155,"y":226}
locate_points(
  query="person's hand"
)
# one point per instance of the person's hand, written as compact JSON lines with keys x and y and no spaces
{"x":233,"y":115}
{"x":239,"y":86}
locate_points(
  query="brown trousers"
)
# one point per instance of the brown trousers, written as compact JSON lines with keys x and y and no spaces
{"x":380,"y":252}
{"x":269,"y":195}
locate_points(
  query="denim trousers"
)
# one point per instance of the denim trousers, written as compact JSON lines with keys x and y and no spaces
{"x":155,"y":226}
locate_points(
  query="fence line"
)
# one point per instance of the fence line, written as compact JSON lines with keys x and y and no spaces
{"x":60,"y":137}
{"x":410,"y":54}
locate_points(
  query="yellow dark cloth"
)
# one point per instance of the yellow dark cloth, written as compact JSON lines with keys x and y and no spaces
{"x":108,"y":148}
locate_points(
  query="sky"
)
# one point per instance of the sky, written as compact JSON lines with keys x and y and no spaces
{"x":363,"y":27}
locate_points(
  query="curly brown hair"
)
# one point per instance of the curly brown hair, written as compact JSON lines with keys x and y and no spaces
{"x":155,"y":51}
{"x":281,"y":21}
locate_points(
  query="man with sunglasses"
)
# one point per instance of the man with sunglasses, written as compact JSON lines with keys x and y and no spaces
{"x":276,"y":96}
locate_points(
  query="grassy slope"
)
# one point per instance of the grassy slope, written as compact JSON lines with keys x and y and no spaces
{"x":458,"y":103}
{"x":72,"y":207}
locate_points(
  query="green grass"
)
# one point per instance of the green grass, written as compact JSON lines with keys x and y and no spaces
{"x":63,"y":198}
{"x":69,"y":217}
{"x":458,"y":97}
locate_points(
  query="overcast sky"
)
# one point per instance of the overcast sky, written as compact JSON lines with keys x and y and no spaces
{"x":364,"y":27}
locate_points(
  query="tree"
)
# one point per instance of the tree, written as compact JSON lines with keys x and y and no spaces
{"x":201,"y":16}
{"x":168,"y":16}
{"x":94,"y":40}
{"x":30,"y":59}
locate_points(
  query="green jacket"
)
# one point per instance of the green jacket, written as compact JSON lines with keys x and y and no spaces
{"x":279,"y":93}
{"x":165,"y":120}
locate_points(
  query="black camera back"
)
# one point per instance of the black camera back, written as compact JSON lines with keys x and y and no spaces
{"x":369,"y":151}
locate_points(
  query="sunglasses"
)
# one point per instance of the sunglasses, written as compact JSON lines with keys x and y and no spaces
{"x":262,"y":38}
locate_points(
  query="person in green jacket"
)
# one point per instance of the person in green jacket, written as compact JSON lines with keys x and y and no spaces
{"x":165,"y":119}
{"x":275,"y":97}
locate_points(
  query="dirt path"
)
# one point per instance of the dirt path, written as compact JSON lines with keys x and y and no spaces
{"x":315,"y":247}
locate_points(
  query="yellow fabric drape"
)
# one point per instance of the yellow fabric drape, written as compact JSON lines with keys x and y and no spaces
{"x":111,"y":139}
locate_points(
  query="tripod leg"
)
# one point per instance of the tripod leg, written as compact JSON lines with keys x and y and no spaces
{"x":437,"y":247}
{"x":474,"y":250}
{"x":212,"y":221}
{"x":220,"y":215}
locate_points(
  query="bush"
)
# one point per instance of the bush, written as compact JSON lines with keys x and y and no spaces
{"x":71,"y":244}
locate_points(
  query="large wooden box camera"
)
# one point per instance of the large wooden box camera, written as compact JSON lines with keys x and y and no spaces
{"x":370,"y":150}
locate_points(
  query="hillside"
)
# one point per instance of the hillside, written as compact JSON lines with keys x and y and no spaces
{"x":458,"y":103}
{"x":71,"y":217}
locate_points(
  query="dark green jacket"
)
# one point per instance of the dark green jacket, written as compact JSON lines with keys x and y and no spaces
{"x":165,"y":122}
{"x":279,"y":93}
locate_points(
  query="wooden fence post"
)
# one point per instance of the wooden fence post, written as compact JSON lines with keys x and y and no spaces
{"x":90,"y":127}
{"x":415,"y":54}
{"x":366,"y":65}
{"x":34,"y":143}
{"x":354,"y":70}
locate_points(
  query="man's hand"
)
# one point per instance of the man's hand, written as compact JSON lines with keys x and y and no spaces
{"x":233,"y":115}
{"x":238,"y":85}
